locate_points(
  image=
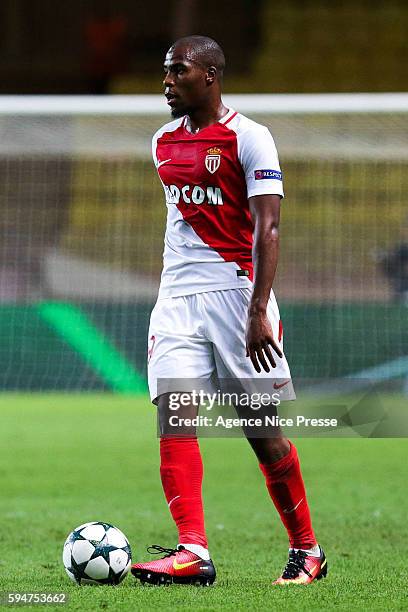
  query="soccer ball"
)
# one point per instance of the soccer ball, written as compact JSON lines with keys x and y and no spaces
{"x":96,"y":553}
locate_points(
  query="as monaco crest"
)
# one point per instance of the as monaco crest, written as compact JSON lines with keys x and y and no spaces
{"x":213,"y":159}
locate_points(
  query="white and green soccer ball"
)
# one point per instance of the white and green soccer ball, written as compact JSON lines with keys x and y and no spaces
{"x":97,"y":553}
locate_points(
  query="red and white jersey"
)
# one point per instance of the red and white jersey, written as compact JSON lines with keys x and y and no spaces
{"x":207,"y":178}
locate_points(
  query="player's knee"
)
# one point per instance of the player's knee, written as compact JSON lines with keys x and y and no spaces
{"x":176,"y":418}
{"x":271,"y":449}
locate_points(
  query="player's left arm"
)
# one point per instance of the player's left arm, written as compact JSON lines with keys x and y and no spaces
{"x":265,"y":212}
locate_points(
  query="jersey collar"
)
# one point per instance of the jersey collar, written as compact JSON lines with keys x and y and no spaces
{"x":228,"y":116}
{"x":223,"y":120}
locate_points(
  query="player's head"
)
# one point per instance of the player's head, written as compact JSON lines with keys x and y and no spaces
{"x":193,"y":67}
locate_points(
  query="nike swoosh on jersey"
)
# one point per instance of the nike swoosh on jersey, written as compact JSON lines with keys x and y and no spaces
{"x":288,"y":511}
{"x":163,"y":162}
{"x":179,"y":566}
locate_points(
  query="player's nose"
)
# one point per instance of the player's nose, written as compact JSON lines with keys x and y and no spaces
{"x":168,"y":81}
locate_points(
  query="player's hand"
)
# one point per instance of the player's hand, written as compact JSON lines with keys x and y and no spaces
{"x":260,"y":341}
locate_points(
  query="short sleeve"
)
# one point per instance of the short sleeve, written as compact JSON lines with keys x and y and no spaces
{"x":259,"y":160}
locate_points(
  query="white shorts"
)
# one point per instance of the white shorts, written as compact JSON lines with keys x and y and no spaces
{"x":202,"y":336}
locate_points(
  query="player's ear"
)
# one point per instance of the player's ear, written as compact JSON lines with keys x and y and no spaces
{"x":211,"y":75}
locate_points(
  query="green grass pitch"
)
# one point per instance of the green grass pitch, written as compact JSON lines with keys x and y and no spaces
{"x":65,"y":460}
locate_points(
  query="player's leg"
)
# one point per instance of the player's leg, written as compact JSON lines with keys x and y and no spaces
{"x":181,"y":471}
{"x":279,"y":462}
{"x":180,"y":354}
{"x":278,"y":458}
{"x":286,"y":488}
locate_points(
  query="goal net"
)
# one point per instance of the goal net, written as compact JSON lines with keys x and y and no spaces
{"x":82,"y":219}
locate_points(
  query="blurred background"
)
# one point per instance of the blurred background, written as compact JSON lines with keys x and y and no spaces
{"x":101,"y":46}
{"x":82,"y":212}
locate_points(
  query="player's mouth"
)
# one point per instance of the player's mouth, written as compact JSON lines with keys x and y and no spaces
{"x":171,"y":98}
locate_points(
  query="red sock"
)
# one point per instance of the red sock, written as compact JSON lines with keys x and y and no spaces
{"x":181,"y":472}
{"x":287,"y":490}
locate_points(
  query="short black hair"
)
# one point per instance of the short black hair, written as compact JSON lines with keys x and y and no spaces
{"x":204,"y":50}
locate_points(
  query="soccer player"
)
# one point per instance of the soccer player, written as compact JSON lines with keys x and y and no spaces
{"x":216,"y":312}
